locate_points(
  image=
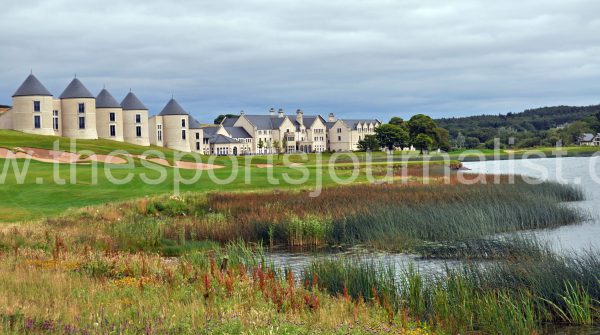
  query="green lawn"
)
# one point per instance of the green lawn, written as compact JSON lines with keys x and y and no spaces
{"x":39,"y":196}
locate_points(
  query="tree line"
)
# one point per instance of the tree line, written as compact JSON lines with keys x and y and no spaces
{"x":547,"y":126}
{"x":421,"y":132}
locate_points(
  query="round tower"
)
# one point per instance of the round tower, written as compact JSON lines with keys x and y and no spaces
{"x":33,"y":110}
{"x":78,"y":107}
{"x":135,"y":120}
{"x":176,"y":127}
{"x":109,"y":117}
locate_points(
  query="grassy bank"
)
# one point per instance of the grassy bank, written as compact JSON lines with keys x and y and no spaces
{"x":72,"y":292}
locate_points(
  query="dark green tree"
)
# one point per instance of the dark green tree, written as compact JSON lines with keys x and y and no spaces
{"x":440,"y":139}
{"x":391,"y":136}
{"x":397,"y":121}
{"x":472,"y":142}
{"x":423,"y":142}
{"x":369,"y":143}
{"x":421,"y":124}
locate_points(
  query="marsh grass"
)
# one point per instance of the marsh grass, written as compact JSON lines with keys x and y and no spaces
{"x":394,"y":217}
{"x":514,"y":296}
{"x":86,"y":292}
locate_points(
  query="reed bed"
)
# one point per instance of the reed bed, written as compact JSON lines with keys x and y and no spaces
{"x":388,"y":216}
{"x":514,"y":296}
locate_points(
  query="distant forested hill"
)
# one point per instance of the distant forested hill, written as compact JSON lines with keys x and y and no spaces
{"x":531,"y":123}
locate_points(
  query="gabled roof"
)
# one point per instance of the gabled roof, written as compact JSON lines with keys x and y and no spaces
{"x":208,"y":132}
{"x":131,"y":102}
{"x":31,"y":86}
{"x":329,"y":125}
{"x":308,"y":121}
{"x":229,"y":121}
{"x":266,"y":122}
{"x":587,"y":137}
{"x":106,"y":100}
{"x":237,"y":132}
{"x":222,"y":139}
{"x":353,"y":122}
{"x":173,"y":108}
{"x":194,"y":124}
{"x":76,"y":90}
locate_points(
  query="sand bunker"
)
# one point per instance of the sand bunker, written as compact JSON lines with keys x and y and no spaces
{"x":184,"y":165}
{"x":262,"y":166}
{"x":197,"y":166}
{"x":106,"y":159}
{"x":52,"y":156}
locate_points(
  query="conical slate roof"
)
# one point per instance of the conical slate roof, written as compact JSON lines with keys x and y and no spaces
{"x":76,"y":89}
{"x":106,"y":100}
{"x":131,"y":102}
{"x":31,"y":86}
{"x":173,"y":108}
{"x":194,"y":124}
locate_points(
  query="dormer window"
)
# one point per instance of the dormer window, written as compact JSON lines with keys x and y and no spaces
{"x":36,"y":106}
{"x":81,"y":108}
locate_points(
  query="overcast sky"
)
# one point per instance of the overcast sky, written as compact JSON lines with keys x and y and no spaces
{"x":353,"y":58}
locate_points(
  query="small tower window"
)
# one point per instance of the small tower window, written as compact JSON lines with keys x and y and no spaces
{"x":159,"y":135}
{"x":138,"y":118}
{"x":197,"y":136}
{"x":113,"y":130}
{"x":183,"y":134}
{"x":111,"y":117}
{"x":81,"y":108}
{"x":138,"y":131}
{"x":37,"y":122}
{"x":36,"y":106}
{"x":82,"y":122}
{"x":183,"y":122}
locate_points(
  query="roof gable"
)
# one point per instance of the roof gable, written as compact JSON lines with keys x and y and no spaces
{"x":76,"y":90}
{"x":30,"y":87}
{"x":237,"y":132}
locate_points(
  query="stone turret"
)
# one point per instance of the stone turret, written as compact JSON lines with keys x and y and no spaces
{"x":176,"y":126}
{"x":109,"y":117}
{"x":135,"y":120}
{"x":32,"y":110}
{"x":78,"y":109}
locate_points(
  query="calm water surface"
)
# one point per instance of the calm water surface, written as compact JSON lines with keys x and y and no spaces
{"x":581,"y":171}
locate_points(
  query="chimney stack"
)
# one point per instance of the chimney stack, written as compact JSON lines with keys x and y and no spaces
{"x":272,"y":111}
{"x":280,"y":112}
{"x":299,"y":116}
{"x":242,"y":112}
{"x":331,"y":118}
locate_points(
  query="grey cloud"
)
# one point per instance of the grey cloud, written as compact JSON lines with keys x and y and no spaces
{"x":352,"y":57}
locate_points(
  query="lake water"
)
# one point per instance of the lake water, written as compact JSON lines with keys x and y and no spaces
{"x":581,"y":171}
